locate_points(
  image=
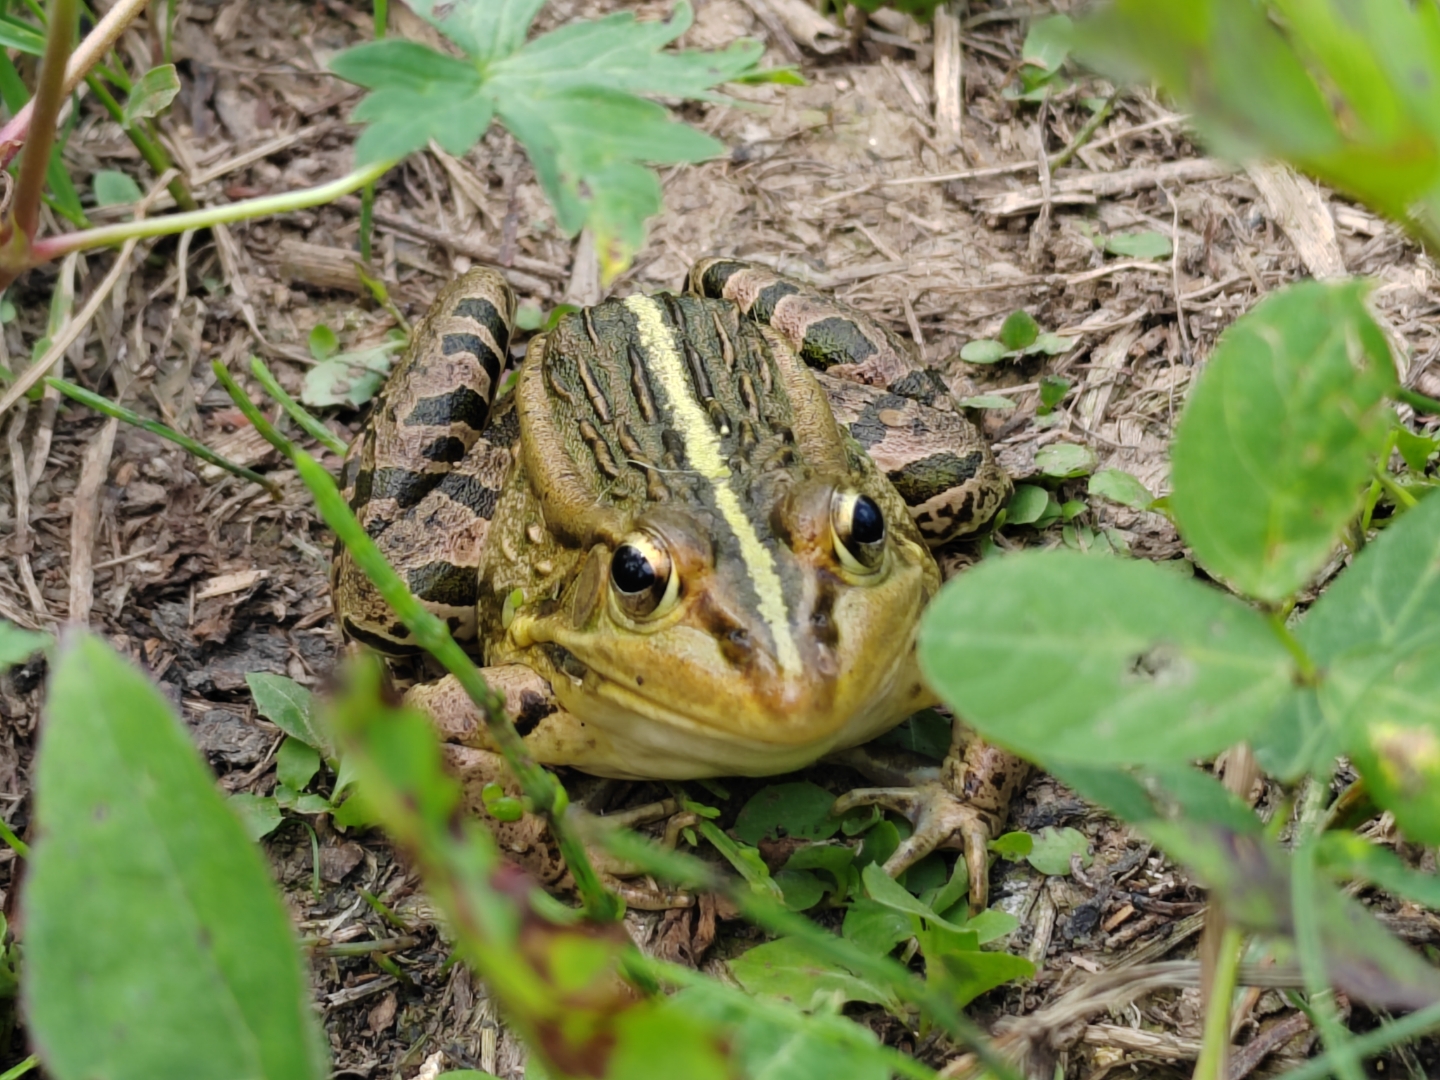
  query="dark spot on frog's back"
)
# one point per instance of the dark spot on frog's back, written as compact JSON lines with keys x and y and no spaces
{"x":472,"y":344}
{"x":445,"y":583}
{"x":534,"y":707}
{"x":835,"y":341}
{"x":447,"y":448}
{"x":922,"y":385}
{"x":488,"y":316}
{"x":931,"y":475}
{"x":712,"y":281}
{"x":461,"y":405}
{"x":471,"y":493}
{"x":763,"y":309}
{"x":868,"y":429}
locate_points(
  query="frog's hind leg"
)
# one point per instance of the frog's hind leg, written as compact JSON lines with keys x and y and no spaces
{"x":425,"y":474}
{"x":899,"y":411}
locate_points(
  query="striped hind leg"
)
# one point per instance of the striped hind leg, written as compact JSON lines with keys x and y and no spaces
{"x":424,"y":475}
{"x":899,"y":411}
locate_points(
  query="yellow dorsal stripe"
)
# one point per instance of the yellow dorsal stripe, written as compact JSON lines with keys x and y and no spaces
{"x":702,"y":450}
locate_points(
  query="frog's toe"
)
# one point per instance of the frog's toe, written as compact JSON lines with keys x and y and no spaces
{"x":940,"y":821}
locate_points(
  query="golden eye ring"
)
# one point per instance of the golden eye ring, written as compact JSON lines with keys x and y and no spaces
{"x":858,"y":526}
{"x":642,"y":577}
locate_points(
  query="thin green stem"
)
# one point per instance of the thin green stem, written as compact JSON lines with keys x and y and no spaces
{"x":1394,"y":490}
{"x":1084,"y":134}
{"x":1310,"y":949}
{"x":17,"y":1071}
{"x":1308,"y":671}
{"x":320,"y":947}
{"x":14,"y":842}
{"x":1216,"y":1046}
{"x":1418,"y":401}
{"x":367,"y":221}
{"x":49,"y":97}
{"x":382,"y":17}
{"x":153,"y":153}
{"x":431,"y":635}
{"x":200,"y":450}
{"x":309,"y":424}
{"x":1372,"y":1042}
{"x":54,"y":246}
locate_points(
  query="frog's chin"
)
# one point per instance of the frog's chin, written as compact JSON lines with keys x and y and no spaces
{"x":727,"y":731}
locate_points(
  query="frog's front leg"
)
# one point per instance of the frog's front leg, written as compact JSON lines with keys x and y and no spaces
{"x":963,"y":807}
{"x":553,"y":736}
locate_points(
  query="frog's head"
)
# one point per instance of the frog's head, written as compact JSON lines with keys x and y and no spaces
{"x":716,"y":643}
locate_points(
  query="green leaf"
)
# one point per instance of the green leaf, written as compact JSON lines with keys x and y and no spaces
{"x":926,"y":733}
{"x":1053,"y":389}
{"x":114,"y":188}
{"x":1018,"y":331}
{"x":323,"y":342}
{"x":148,"y":913}
{"x":983,"y":351}
{"x":486,"y":30}
{"x":291,"y":708}
{"x":1051,"y":344}
{"x":954,"y":960}
{"x":661,"y":1038}
{"x":1119,"y":486}
{"x":1280,"y":435}
{"x":835,"y":860}
{"x":17,"y":645}
{"x":151,"y":94}
{"x":296,"y":763}
{"x":1013,"y":846}
{"x":1415,"y":449}
{"x":1026,"y":504}
{"x":1140,"y":245}
{"x":992,"y":924}
{"x":798,"y":809}
{"x":259,"y":814}
{"x":1047,"y":43}
{"x":875,"y":927}
{"x":1053,"y":848}
{"x":788,"y":969}
{"x":1064,"y":460}
{"x":888,"y":892}
{"x":21,"y":36}
{"x":1346,"y":855}
{"x":349,"y":378}
{"x":801,"y":889}
{"x":1067,"y":657}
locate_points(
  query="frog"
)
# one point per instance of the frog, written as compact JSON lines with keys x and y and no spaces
{"x":692,"y":538}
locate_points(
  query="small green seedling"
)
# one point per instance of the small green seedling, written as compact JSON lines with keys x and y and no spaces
{"x":1046,"y":48}
{"x":1019,"y":336}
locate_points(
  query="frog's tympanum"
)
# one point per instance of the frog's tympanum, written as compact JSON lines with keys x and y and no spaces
{"x":692,"y":541}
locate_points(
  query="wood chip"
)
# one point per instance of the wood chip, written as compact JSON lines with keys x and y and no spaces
{"x":1301,"y":211}
{"x":224,"y":584}
{"x":1088,"y":187}
{"x":84,"y":521}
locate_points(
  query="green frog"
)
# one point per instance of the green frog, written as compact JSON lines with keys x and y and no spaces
{"x":692,"y":540}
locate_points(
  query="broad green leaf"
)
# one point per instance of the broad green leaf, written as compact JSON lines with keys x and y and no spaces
{"x":986,"y":401}
{"x":1119,"y":486}
{"x":1415,"y":449}
{"x":660,"y":1037}
{"x":1281,"y":433}
{"x":992,"y":924}
{"x":745,"y":859}
{"x":1018,"y":331}
{"x":1053,"y":848}
{"x":875,"y":927}
{"x":954,"y":960}
{"x":797,"y":809}
{"x":1140,"y":245}
{"x":290,"y":707}
{"x":1053,"y":389}
{"x":296,"y":763}
{"x":885,"y":890}
{"x":18,"y":645}
{"x":801,"y":889}
{"x":487,"y":29}
{"x":148,"y":911}
{"x":983,"y":351}
{"x":1346,"y":855}
{"x":1012,"y":845}
{"x":259,"y":814}
{"x":113,"y":188}
{"x":1064,"y":460}
{"x":151,"y":94}
{"x":1064,"y":657}
{"x":1047,"y":43}
{"x":1399,"y":754}
{"x":1026,"y":504}
{"x":834,"y":859}
{"x":786,"y":968}
{"x":926,"y":733}
{"x":350,"y":378}
{"x":1051,"y":344}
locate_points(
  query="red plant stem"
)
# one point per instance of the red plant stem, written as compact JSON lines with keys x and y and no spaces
{"x":96,"y":44}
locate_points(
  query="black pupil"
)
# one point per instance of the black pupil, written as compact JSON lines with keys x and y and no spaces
{"x":867,"y":526}
{"x":631,"y":570}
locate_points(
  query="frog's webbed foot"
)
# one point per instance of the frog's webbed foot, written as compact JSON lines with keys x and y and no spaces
{"x":962,"y":808}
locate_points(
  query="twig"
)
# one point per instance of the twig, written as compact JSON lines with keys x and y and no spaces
{"x":37,"y":371}
{"x":45,"y":106}
{"x":83,"y":521}
{"x":20,"y":541}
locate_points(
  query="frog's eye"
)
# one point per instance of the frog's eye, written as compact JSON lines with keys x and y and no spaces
{"x":643,"y":578}
{"x":859,"y":529}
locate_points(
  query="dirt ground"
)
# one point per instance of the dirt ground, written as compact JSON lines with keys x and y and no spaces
{"x":856,"y":180}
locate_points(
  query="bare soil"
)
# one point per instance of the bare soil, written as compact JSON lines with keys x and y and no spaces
{"x":850,"y":180}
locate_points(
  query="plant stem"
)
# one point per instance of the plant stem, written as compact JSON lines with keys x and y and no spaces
{"x":49,"y":97}
{"x":1215,"y":1049}
{"x":1361,"y":1046}
{"x":14,"y":842}
{"x":96,"y":44}
{"x":20,"y":1070}
{"x":1418,"y":401}
{"x":1308,"y":671}
{"x":367,"y":220}
{"x":1083,"y":135}
{"x":1311,"y":951}
{"x":203,"y":452}
{"x":53,"y":247}
{"x":311,"y":426}
{"x":153,"y":153}
{"x":1394,"y":490}
{"x":431,"y":635}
